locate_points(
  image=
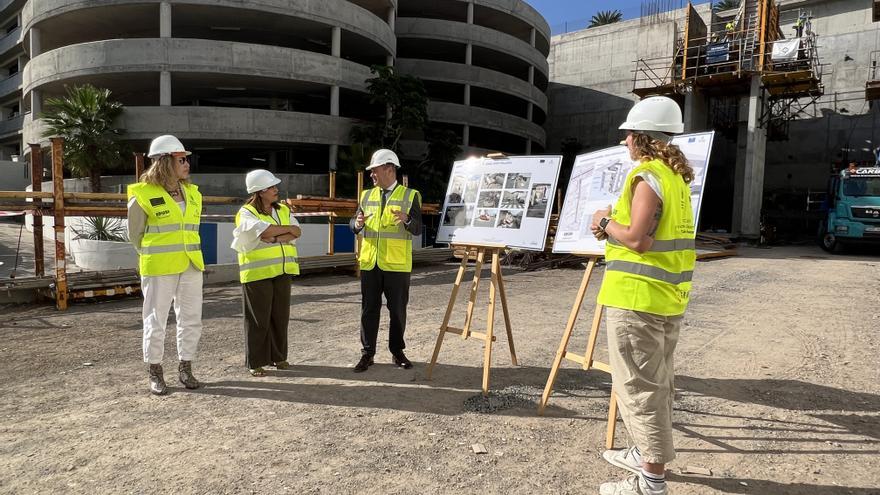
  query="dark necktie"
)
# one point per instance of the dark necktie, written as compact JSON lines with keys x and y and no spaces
{"x":384,"y":199}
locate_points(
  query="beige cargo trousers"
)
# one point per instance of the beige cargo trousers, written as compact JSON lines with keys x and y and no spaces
{"x":640,"y":349}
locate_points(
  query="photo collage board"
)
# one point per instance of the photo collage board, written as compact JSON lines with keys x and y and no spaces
{"x":500,"y":201}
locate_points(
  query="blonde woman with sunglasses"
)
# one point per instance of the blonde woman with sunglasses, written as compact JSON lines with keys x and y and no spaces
{"x":164,"y":209}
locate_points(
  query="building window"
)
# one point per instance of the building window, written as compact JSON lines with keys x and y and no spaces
{"x":876,"y":10}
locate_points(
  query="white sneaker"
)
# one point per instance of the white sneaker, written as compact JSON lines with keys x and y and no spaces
{"x":625,"y":458}
{"x":634,"y":485}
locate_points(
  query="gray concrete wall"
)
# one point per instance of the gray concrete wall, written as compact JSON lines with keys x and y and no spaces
{"x":14,"y":176}
{"x":591,"y":78}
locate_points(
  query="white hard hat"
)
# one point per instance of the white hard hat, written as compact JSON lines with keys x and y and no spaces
{"x":165,"y":145}
{"x":657,"y":113}
{"x":257,"y":180}
{"x":383,"y":157}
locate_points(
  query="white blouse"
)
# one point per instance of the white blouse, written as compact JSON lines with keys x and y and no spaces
{"x":246,"y":237}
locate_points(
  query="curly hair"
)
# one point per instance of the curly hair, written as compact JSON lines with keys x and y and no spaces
{"x":161,"y":172}
{"x":645,"y":148}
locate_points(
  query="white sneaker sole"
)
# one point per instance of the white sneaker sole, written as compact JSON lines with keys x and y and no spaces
{"x":610,"y":456}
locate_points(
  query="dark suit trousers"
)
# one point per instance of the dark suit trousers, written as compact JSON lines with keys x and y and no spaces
{"x":266,"y":314}
{"x":395,"y":286}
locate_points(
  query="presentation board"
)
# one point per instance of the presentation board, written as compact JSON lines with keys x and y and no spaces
{"x":597,"y":180}
{"x":500,"y":201}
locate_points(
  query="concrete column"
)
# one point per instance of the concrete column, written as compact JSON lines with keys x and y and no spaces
{"x":533,"y":36}
{"x":532,"y":74}
{"x":35,"y":47}
{"x":334,"y":154}
{"x":528,"y":146}
{"x":336,"y":42}
{"x":467,"y":95}
{"x":530,"y":112}
{"x":696,"y":111}
{"x":748,"y":181}
{"x":391,"y":17}
{"x":334,"y":101}
{"x":470,"y":12}
{"x":36,"y":102}
{"x":466,"y":136}
{"x":469,"y":54}
{"x":165,"y":88}
{"x":272,"y":164}
{"x":165,"y":20}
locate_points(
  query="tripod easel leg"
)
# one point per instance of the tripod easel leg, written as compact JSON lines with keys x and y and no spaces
{"x":502,"y":295}
{"x":563,"y":344}
{"x":612,"y":421}
{"x":478,"y":269}
{"x":490,"y":323}
{"x":458,"y":278}
{"x":591,"y":342}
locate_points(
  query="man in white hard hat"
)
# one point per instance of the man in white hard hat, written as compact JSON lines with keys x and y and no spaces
{"x":164,"y":211}
{"x":388,"y":216}
{"x":650,"y":259}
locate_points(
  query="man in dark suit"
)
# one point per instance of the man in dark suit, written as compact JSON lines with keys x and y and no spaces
{"x":388,"y":216}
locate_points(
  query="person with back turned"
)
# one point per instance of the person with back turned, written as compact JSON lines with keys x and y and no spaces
{"x":388,"y":215}
{"x":650,"y":259}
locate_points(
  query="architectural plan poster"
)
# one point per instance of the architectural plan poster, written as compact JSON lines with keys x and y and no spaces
{"x":597,"y":180}
{"x":500,"y":201}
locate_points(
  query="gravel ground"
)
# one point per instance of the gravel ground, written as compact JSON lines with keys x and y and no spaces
{"x":777,"y":393}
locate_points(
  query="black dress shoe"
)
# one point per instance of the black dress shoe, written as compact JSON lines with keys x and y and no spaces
{"x":365,"y":362}
{"x":401,"y":361}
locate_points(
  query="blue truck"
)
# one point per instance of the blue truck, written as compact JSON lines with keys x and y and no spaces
{"x":853,"y":214}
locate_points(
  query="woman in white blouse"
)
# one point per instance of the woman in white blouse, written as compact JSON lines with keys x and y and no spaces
{"x":265,"y":238}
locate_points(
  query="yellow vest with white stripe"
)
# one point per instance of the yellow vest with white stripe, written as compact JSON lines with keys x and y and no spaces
{"x":171,"y":239}
{"x":387,"y":243}
{"x":268,"y":260}
{"x":657,"y":281}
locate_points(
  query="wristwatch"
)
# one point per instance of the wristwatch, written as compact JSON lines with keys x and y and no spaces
{"x":604,"y":223}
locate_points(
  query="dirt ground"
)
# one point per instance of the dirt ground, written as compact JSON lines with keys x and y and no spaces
{"x":777,"y":377}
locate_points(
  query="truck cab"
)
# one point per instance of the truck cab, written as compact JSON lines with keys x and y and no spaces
{"x":853,"y":214}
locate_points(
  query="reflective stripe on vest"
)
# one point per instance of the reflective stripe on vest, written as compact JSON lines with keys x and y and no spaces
{"x":171,"y":237}
{"x":386,"y":243}
{"x":267,"y":260}
{"x":657,"y":281}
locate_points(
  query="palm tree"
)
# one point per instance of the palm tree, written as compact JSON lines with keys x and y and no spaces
{"x":605,"y":17}
{"x":723,"y":5}
{"x":84,"y":118}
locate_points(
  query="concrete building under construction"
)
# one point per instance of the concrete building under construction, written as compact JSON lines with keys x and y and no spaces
{"x":782,"y":120}
{"x":279,"y":83}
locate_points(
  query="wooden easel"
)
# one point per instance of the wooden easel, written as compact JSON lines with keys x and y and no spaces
{"x":496,"y":286}
{"x":586,"y":361}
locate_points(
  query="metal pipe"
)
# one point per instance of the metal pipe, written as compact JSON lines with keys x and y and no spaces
{"x":37,"y":186}
{"x":58,"y":206}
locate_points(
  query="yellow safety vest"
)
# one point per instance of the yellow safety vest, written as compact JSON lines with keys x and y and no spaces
{"x":268,"y":260}
{"x":171,"y":239}
{"x":385,"y":242}
{"x":659,"y":280}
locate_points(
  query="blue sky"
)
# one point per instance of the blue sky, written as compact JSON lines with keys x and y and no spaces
{"x":570,"y":15}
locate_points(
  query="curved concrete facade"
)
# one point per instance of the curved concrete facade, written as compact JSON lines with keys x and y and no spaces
{"x":194,"y":56}
{"x":277,"y":81}
{"x":484,"y":64}
{"x":341,"y":13}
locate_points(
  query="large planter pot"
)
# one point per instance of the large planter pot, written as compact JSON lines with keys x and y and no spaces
{"x":103,"y":255}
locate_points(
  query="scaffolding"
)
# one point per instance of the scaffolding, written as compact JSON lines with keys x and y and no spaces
{"x":872,"y":84}
{"x":722,"y":58}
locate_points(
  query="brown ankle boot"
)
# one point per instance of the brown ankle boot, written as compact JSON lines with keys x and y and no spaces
{"x":186,"y":376}
{"x":157,"y":380}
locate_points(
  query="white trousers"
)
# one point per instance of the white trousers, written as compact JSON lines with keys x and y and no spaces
{"x":185,"y":291}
